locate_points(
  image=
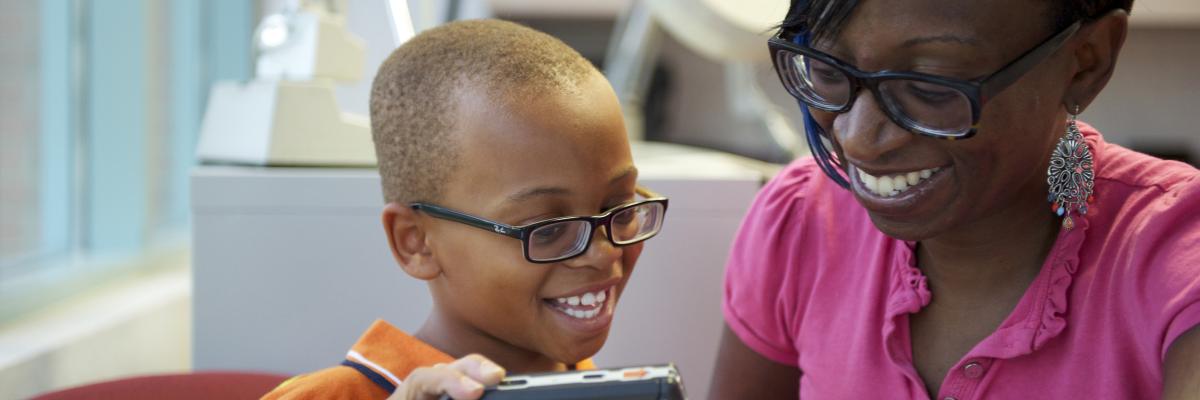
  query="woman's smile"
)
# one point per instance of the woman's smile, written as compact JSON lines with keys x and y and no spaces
{"x":891,"y":185}
{"x":903,"y":193}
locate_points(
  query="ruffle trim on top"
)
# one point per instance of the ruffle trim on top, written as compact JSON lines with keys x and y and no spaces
{"x":1045,"y":320}
{"x":910,"y":288}
{"x":1053,"y":309}
{"x":1055,"y":305}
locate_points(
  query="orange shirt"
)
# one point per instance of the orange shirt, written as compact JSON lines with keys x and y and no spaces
{"x":372,"y":369}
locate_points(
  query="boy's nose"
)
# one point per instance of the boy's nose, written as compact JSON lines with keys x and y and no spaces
{"x":601,"y":253}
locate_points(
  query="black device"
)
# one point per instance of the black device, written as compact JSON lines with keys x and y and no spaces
{"x":654,"y":382}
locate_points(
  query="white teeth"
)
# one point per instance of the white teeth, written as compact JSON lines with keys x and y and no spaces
{"x":593,"y":300}
{"x":582,"y":314}
{"x":913,"y":178}
{"x":870,"y":181}
{"x":587,"y":299}
{"x":888,"y":186}
{"x":885,"y":186}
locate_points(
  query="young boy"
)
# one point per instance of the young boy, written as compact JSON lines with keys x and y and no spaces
{"x":488,"y":135}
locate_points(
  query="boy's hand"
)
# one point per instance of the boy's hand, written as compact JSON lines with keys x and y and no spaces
{"x":462,"y":379}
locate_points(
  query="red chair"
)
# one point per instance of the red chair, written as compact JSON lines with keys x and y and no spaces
{"x":197,"y":385}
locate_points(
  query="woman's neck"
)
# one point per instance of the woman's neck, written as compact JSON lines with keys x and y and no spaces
{"x":1003,"y":249}
{"x":459,"y":339}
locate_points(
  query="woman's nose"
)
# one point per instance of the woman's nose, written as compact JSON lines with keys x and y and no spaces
{"x":865,"y":133}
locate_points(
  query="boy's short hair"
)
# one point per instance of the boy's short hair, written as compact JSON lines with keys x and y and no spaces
{"x":414,"y":96}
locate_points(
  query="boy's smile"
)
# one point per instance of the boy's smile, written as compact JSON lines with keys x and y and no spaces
{"x":528,"y":156}
{"x":587,"y":309}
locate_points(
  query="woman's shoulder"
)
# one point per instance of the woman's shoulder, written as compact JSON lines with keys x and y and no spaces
{"x":801,"y":190}
{"x":800,"y":214}
{"x":794,"y":246}
{"x":793,"y":181}
{"x":1141,"y":201}
{"x":1143,"y":196}
{"x":1144,"y":238}
{"x":1132,"y":171}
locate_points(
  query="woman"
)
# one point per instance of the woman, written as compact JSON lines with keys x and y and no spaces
{"x":959,"y":235}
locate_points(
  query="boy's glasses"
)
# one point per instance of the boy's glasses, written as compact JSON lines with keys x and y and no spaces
{"x":926,"y":104}
{"x":558,"y":239}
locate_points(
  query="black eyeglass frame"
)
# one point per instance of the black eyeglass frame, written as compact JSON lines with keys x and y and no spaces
{"x":523,"y":232}
{"x":978,"y":91}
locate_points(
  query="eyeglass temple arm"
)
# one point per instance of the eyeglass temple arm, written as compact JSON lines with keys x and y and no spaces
{"x":1010,"y":73}
{"x":446,"y":213}
{"x":646,"y":192}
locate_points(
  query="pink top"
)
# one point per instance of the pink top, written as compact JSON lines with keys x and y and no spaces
{"x":812,"y":283}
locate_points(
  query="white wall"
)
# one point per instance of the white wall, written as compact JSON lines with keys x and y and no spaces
{"x":1152,"y":98}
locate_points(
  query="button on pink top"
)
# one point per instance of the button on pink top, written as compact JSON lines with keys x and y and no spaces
{"x":812,"y":283}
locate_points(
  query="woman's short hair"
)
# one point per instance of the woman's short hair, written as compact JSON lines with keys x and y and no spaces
{"x":823,"y":19}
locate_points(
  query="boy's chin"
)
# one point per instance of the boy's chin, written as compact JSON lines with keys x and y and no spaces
{"x":574,"y":353}
{"x":576,"y":332}
{"x":579,"y":356}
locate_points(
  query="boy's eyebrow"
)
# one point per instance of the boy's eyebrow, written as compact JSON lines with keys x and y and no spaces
{"x":534,"y":192}
{"x":623,"y":174}
{"x":552,"y":190}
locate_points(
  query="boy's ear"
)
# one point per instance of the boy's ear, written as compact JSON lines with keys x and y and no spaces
{"x":406,"y":237}
{"x":1096,"y":57}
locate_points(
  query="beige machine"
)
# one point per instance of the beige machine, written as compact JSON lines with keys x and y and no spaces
{"x":732,"y":33}
{"x":288,"y":114}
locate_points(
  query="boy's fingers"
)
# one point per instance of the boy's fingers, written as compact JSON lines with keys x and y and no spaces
{"x":430,"y":383}
{"x":464,"y":378}
{"x":480,"y":369}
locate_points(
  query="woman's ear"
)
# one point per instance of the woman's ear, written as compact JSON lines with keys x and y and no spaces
{"x":1096,"y":57}
{"x":406,"y":236}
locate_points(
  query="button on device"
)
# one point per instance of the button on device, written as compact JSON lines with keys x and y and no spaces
{"x":973,"y":370}
{"x":949,"y":398}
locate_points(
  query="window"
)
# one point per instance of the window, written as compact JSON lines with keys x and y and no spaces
{"x":102,"y":103}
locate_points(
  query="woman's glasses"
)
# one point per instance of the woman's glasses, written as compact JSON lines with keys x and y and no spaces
{"x":926,"y":104}
{"x":559,"y":239}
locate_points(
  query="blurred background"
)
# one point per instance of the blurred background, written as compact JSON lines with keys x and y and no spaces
{"x":103,"y":197}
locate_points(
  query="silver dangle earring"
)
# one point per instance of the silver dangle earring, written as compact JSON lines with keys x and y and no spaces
{"x":1070,"y":176}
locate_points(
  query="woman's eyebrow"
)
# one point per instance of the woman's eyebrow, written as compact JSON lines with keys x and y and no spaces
{"x":966,"y":40}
